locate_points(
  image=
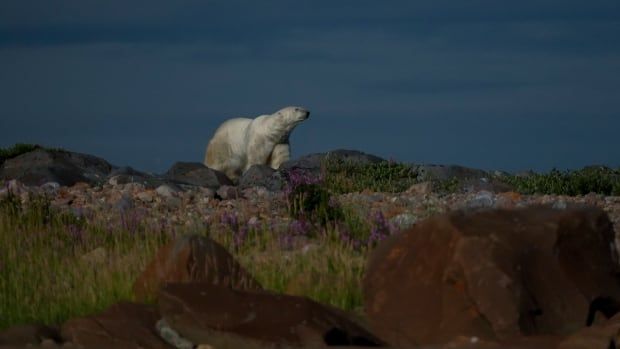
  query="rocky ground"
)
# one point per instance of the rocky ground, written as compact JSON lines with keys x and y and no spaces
{"x":190,"y":195}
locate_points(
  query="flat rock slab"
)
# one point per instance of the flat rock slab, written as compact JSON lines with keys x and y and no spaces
{"x":124,"y":325}
{"x":192,"y":258}
{"x":493,"y":274}
{"x":207,"y":314}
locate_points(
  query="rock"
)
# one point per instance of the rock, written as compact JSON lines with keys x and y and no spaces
{"x":123,"y":325}
{"x":192,"y":258}
{"x":311,"y":163}
{"x":146,"y":196}
{"x":434,"y":172}
{"x":124,"y":203}
{"x":228,"y":192}
{"x":96,"y":256}
{"x":602,"y":336}
{"x":482,"y":199}
{"x":195,"y":173}
{"x":493,"y":274}
{"x":261,"y":176}
{"x":168,"y":190}
{"x":230,"y":318}
{"x":422,"y":188}
{"x":403,"y":220}
{"x":126,"y":174}
{"x":40,"y":166}
{"x":28,"y":334}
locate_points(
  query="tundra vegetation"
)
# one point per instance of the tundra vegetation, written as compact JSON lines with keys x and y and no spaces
{"x":49,"y":269}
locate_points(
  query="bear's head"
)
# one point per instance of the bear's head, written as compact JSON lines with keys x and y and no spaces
{"x":293,"y":115}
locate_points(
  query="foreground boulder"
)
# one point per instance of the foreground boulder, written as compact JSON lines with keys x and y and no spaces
{"x":226,"y":318}
{"x":195,"y":173}
{"x":123,"y":325}
{"x":192,"y":258}
{"x":495,"y":275}
{"x":41,"y":166}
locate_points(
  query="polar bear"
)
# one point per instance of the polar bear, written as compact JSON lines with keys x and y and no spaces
{"x":242,"y":142}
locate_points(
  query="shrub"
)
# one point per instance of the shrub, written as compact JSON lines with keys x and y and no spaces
{"x":594,"y":179}
{"x":307,"y":198}
{"x":342,"y":176}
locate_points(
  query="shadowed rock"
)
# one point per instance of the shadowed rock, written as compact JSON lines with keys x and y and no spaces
{"x":195,"y":173}
{"x":63,"y":167}
{"x":224,"y":317}
{"x":263,"y":176}
{"x":123,"y":325}
{"x":494,"y":275}
{"x":192,"y":258}
{"x":22,"y":335}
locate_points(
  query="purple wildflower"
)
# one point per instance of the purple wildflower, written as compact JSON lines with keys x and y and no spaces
{"x":299,"y":227}
{"x":380,"y":230}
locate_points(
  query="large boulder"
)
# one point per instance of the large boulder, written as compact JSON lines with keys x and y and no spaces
{"x":123,"y":325}
{"x":312,"y":163}
{"x":493,"y":274}
{"x":226,"y":318}
{"x":466,"y":179}
{"x":192,"y":258}
{"x":195,"y":173}
{"x":63,"y":167}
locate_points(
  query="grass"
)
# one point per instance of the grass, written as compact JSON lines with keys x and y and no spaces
{"x":45,"y":278}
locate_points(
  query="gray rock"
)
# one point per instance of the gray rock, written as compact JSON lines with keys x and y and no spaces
{"x":195,"y":173}
{"x":64,"y":167}
{"x":404,"y":220}
{"x":262,"y":176}
{"x":446,"y":172}
{"x":312,"y":162}
{"x":483,"y":199}
{"x":126,"y":174}
{"x":227,"y":192}
{"x":168,"y":190}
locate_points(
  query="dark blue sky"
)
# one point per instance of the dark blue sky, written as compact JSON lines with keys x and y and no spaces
{"x":489,"y":84}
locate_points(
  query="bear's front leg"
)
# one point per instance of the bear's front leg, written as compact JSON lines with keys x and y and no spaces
{"x":258,"y":152}
{"x":281,"y":153}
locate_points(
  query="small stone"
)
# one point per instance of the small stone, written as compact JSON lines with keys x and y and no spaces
{"x":559,"y":205}
{"x":167,"y":190}
{"x":96,"y":256}
{"x":404,"y":220}
{"x":50,"y":187}
{"x":483,"y":199}
{"x":423,"y":188}
{"x":145,"y":196}
{"x":227,"y":192}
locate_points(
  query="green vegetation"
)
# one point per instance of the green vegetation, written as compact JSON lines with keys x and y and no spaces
{"x":49,"y":270}
{"x":594,"y":179}
{"x":344,"y":176}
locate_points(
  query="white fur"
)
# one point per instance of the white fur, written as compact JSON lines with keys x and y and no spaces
{"x":242,"y":142}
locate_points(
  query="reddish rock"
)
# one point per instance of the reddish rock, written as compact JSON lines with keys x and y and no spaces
{"x":122,"y":326}
{"x":192,"y":258}
{"x":22,"y":335}
{"x":602,"y":336}
{"x":494,"y":274}
{"x":224,"y":317}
